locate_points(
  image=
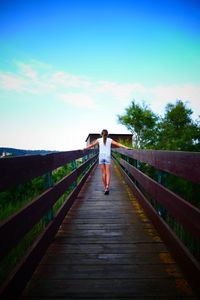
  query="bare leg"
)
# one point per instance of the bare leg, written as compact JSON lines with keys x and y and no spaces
{"x":107,"y":167}
{"x":103,"y":170}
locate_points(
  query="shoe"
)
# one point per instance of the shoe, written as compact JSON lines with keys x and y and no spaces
{"x":106,"y":191}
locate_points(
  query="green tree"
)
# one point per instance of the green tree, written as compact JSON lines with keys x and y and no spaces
{"x":142,"y":123}
{"x":177,"y":129}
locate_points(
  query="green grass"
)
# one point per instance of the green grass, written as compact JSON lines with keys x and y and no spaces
{"x":14,"y":199}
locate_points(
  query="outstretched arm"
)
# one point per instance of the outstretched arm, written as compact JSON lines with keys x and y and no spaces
{"x":116,"y":144}
{"x":91,"y":145}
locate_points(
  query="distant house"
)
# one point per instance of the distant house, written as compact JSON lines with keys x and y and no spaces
{"x":5,"y":154}
{"x":115,"y":136}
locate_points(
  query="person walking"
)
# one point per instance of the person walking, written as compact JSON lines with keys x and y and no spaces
{"x":105,"y":143}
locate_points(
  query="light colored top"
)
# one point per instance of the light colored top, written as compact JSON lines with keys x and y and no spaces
{"x":105,"y":149}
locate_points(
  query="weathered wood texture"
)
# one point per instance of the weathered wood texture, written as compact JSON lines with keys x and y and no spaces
{"x":179,"y":208}
{"x":184,"y":213}
{"x":169,"y":161}
{"x":28,"y":216}
{"x":106,"y":248}
{"x":20,"y":169}
{"x":17,"y":225}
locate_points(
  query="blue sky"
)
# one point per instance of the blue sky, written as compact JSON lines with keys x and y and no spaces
{"x":68,"y":68}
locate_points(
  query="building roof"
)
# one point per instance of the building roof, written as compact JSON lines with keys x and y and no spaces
{"x":111,"y":135}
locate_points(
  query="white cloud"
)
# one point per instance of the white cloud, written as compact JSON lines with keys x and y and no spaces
{"x":121,"y":91}
{"x":163,"y":94}
{"x":27,"y":71}
{"x":96,"y":104}
{"x":79,"y":91}
{"x":69,"y":80}
{"x":78,"y":99}
{"x":12,"y":82}
{"x":171,"y":92}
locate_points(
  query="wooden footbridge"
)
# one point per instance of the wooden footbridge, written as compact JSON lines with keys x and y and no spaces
{"x":125,"y":245}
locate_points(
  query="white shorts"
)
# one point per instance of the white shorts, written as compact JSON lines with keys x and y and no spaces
{"x":104,"y":159}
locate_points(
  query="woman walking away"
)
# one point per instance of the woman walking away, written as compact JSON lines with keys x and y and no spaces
{"x":105,"y":144}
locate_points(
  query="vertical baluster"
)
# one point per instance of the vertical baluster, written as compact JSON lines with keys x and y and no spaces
{"x":162,"y":179}
{"x":49,"y":215}
{"x":84,"y":159}
{"x":136,"y":165}
{"x":74,"y":167}
{"x":127,"y":160}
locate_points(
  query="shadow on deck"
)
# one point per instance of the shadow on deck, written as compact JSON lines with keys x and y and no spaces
{"x":106,"y":248}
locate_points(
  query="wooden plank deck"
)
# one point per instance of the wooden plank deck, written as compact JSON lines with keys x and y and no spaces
{"x":106,"y":248}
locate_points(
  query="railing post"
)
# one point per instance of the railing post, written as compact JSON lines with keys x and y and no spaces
{"x":136,"y":165}
{"x":128,"y":161}
{"x":162,"y":179}
{"x":74,"y":167}
{"x":49,"y":215}
{"x":84,"y":158}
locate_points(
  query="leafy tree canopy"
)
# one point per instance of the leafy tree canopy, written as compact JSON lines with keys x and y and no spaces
{"x":175,"y":131}
{"x":142,"y":122}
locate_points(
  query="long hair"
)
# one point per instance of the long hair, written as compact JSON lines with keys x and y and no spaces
{"x":104,"y":134}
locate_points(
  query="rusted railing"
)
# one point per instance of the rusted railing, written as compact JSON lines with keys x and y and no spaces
{"x":161,"y":204}
{"x":18,"y":170}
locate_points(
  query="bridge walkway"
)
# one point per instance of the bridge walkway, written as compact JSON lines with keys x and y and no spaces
{"x":106,"y":248}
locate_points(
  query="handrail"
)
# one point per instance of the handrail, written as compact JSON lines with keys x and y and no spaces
{"x":182,"y":210}
{"x":20,"y":223}
{"x":147,"y":191}
{"x":28,"y":216}
{"x":180,"y":163}
{"x":17,"y":170}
